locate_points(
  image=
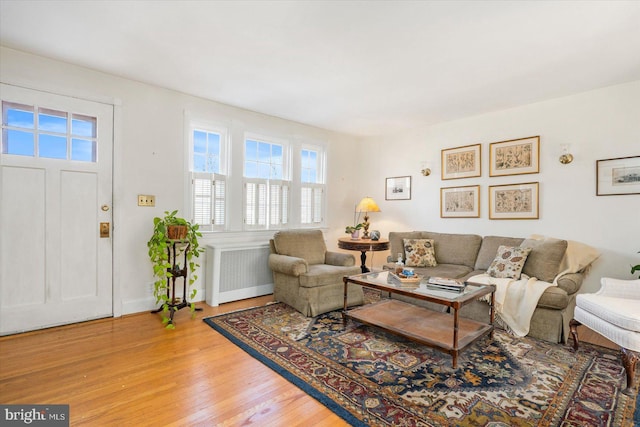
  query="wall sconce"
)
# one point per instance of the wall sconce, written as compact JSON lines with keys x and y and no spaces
{"x":566,"y":157}
{"x":425,"y":170}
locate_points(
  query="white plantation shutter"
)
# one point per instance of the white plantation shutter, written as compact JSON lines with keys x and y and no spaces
{"x":317,"y":204}
{"x":278,"y":203}
{"x":255,"y":215}
{"x":305,"y":205}
{"x":285,"y":204}
{"x":250,"y":203}
{"x":208,"y":200}
{"x":311,"y":204}
{"x":202,"y":200}
{"x":275,"y":195}
{"x":266,"y":204}
{"x":219,"y":205}
{"x":262,"y":204}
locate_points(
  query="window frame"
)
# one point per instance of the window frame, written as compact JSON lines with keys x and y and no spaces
{"x":319,"y":185}
{"x":193,"y":125}
{"x":40,"y":133}
{"x":285,"y":185}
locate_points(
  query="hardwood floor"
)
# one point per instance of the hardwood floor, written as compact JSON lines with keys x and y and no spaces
{"x":132,"y":371}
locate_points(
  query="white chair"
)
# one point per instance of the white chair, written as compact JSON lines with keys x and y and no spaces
{"x":613,"y":312}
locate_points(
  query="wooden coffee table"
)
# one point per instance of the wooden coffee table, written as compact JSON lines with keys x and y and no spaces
{"x":445,"y":331}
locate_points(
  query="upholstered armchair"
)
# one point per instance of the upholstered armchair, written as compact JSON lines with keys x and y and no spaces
{"x":613,"y":312}
{"x":308,"y":277}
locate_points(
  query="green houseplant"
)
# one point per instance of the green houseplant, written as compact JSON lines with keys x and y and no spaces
{"x":635,"y":268}
{"x":353,"y":230}
{"x":165,"y":231}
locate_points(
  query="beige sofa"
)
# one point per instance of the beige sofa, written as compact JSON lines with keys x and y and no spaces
{"x":462,"y":256}
{"x":308,"y":277}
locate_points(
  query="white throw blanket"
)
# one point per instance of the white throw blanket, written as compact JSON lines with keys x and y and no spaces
{"x":515,"y":300}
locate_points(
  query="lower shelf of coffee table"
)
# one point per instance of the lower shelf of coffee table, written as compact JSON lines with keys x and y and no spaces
{"x":420,"y":324}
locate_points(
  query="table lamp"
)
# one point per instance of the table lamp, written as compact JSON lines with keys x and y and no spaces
{"x":366,"y":205}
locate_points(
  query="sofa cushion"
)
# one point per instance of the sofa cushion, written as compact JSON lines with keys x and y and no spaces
{"x":489,"y":248}
{"x":419,"y":253}
{"x":508,"y":262}
{"x":459,"y":249}
{"x":306,"y":244}
{"x":544,"y":260}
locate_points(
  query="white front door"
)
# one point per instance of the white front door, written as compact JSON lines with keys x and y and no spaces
{"x":55,"y":196}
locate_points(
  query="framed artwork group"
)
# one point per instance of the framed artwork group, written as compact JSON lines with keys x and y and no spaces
{"x":617,"y":176}
{"x":508,"y":201}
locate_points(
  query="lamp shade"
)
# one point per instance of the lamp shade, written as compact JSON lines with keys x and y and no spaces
{"x":367,"y":204}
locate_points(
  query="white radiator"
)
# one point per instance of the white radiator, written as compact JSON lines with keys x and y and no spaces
{"x":237,"y":271}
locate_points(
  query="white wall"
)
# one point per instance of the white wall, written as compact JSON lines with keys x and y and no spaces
{"x":599,"y":124}
{"x":149,"y":159}
{"x":149,"y":151}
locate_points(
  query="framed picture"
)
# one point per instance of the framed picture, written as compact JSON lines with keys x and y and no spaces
{"x":460,"y":202}
{"x":618,"y":176}
{"x":461,"y":162}
{"x":514,"y":157}
{"x":398,"y":188}
{"x":513,"y":201}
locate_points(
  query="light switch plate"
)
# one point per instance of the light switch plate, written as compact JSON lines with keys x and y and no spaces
{"x":146,"y":200}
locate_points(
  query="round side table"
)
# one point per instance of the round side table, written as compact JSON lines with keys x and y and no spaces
{"x":363,"y":245}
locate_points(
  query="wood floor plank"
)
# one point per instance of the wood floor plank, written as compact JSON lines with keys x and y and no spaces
{"x":132,"y":371}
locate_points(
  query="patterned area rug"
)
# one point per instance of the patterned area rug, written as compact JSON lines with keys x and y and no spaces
{"x":372,"y":378}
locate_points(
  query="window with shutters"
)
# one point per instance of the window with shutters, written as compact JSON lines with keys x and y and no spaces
{"x":208,"y":176}
{"x":312,"y":186}
{"x":266,"y":183}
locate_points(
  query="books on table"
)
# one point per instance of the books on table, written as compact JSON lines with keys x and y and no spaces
{"x":445,"y":284}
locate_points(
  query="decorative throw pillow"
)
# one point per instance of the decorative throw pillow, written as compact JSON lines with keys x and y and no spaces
{"x":419,"y":253}
{"x":508,"y":262}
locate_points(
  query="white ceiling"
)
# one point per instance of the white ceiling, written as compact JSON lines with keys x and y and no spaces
{"x":357,"y":67}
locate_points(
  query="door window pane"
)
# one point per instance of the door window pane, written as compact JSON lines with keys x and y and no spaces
{"x":52,"y":147}
{"x":52,"y":121}
{"x":18,"y":116}
{"x":83,"y":150}
{"x":18,"y":143}
{"x":83,"y":126}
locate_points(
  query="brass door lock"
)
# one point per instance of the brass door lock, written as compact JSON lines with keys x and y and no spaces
{"x":104,"y":229}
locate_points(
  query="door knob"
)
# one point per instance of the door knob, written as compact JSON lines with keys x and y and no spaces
{"x":105,"y":208}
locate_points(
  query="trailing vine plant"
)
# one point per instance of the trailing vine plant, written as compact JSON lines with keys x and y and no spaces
{"x":163,"y":270}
